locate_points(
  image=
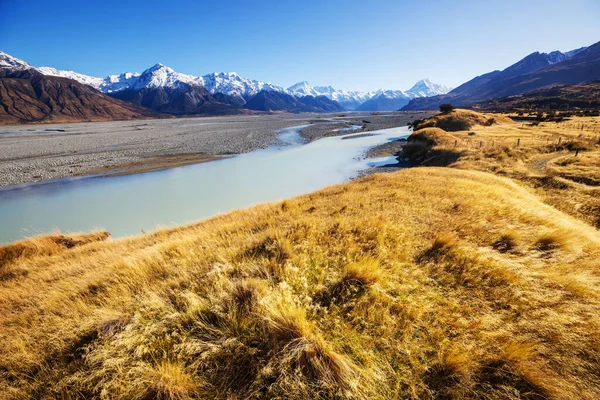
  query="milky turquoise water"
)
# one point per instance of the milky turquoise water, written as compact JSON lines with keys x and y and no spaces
{"x":126,"y":205}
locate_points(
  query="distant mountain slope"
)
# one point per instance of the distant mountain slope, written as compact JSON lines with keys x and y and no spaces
{"x":322,"y":103}
{"x":537,"y":70}
{"x":279,"y":101}
{"x":29,"y":96}
{"x":564,"y":97}
{"x":385,"y":101}
{"x":274,"y":101}
{"x":182,"y":100}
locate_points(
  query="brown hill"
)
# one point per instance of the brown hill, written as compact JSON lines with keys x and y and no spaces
{"x":564,"y":97}
{"x":28,"y":96}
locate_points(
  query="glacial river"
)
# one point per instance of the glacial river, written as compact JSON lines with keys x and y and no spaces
{"x":128,"y":205}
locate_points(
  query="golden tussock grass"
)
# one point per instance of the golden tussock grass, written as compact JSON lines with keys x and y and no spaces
{"x":560,"y":161}
{"x":427,"y":283}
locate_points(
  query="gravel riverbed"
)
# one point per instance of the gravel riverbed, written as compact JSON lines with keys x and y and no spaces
{"x":32,"y":153}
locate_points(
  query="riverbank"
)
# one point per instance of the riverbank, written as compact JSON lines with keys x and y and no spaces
{"x":34,"y":153}
{"x":345,"y":123}
{"x":128,"y":204}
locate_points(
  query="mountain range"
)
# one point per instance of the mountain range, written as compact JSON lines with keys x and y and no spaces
{"x":536,"y":71}
{"x":164,"y":90}
{"x":380,"y":100}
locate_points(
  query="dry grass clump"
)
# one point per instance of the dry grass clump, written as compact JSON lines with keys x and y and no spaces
{"x":551,"y":241}
{"x":387,"y":287}
{"x":356,"y":278}
{"x":507,"y":242}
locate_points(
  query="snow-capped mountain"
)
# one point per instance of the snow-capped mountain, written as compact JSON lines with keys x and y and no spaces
{"x":385,"y":100}
{"x":348,"y":99}
{"x":537,"y":60}
{"x":156,"y":76}
{"x":426,"y":88}
{"x":8,"y":61}
{"x":117,"y":83}
{"x":304,"y":89}
{"x":237,"y":87}
{"x":161,"y":76}
{"x":353,"y":100}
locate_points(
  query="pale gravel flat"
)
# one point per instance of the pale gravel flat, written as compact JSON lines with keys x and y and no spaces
{"x":32,"y":153}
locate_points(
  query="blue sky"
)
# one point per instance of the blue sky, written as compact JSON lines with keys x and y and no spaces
{"x":361,"y":45}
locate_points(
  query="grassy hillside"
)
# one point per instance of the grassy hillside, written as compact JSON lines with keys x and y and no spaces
{"x":558,"y":161}
{"x":427,"y":283}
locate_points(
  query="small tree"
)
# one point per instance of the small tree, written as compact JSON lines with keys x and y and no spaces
{"x":446,"y":108}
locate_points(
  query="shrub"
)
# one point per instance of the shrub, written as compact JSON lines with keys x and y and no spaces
{"x":446,"y":108}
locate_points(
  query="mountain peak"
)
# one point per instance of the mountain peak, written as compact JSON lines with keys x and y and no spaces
{"x":303,"y":89}
{"x":426,"y":88}
{"x":299,"y":85}
{"x":159,"y":67}
{"x":8,"y":61}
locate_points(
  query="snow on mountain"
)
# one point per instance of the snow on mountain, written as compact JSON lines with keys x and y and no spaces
{"x":233,"y":85}
{"x":348,"y":99}
{"x":426,"y":88}
{"x":352,"y":100}
{"x":303,"y":89}
{"x":555,"y":57}
{"x":117,"y":83}
{"x":85,"y":79}
{"x":160,"y":75}
{"x":572,"y":53}
{"x":537,"y":60}
{"x":392,"y":94}
{"x":8,"y":61}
